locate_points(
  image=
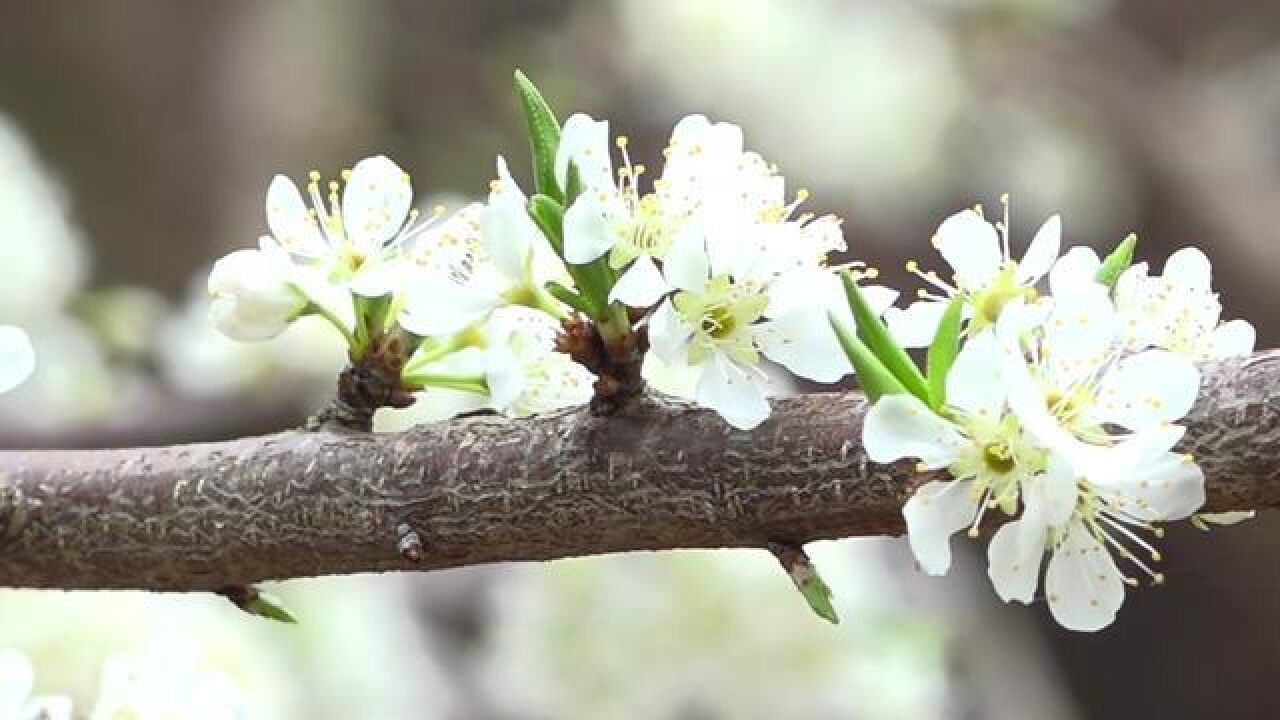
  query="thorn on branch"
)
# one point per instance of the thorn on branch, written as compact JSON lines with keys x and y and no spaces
{"x":408,"y":543}
{"x":805,"y":576}
{"x":255,"y":602}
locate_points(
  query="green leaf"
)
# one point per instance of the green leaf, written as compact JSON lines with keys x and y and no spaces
{"x":544,"y":136}
{"x":943,"y":351}
{"x":572,"y":183}
{"x":270,"y":607}
{"x":569,"y":297}
{"x":1117,"y":262}
{"x":548,"y":215}
{"x":818,"y":595}
{"x":878,"y":340}
{"x":255,"y":602}
{"x":799,"y":567}
{"x":873,"y":376}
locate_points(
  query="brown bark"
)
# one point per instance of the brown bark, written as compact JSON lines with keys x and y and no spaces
{"x":657,"y":475}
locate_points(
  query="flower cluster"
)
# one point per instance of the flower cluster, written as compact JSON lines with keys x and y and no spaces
{"x":711,"y":262}
{"x":1051,"y":396}
{"x":1058,"y":412}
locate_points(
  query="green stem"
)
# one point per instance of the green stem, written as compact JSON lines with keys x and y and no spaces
{"x":432,"y":349}
{"x":315,"y":309}
{"x":466,"y":383}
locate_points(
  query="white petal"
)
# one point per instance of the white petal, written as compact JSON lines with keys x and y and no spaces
{"x":974,"y":383}
{"x":17,"y":677}
{"x":935,"y":512}
{"x":504,"y":376}
{"x":672,"y":378}
{"x":506,"y":230}
{"x":380,"y":277}
{"x":915,"y":325}
{"x":587,"y":234}
{"x":1043,"y":250}
{"x":972,"y":248}
{"x":1151,"y":387}
{"x":804,"y":343}
{"x":17,"y":358}
{"x":1076,"y":271}
{"x":900,"y":426}
{"x":1052,"y":495}
{"x":1233,"y":338}
{"x":439,"y":306}
{"x":1013,"y":559}
{"x":641,"y":285}
{"x":686,"y":265}
{"x":1168,"y":486}
{"x":1084,"y":586}
{"x":1079,"y":335}
{"x":290,"y":221}
{"x":733,"y":392}
{"x":439,"y":405}
{"x":375,"y":202}
{"x":668,"y":334}
{"x":586,"y":142}
{"x":1188,"y":269}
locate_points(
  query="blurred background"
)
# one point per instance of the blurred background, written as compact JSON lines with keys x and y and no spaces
{"x":136,"y":142}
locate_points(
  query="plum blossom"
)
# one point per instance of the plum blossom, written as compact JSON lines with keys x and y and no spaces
{"x":253,"y":297}
{"x":994,"y":463}
{"x":482,"y":258}
{"x":17,"y":678}
{"x":708,"y":183}
{"x":354,"y":229}
{"x":726,"y":313}
{"x":508,"y":364}
{"x":984,"y":273}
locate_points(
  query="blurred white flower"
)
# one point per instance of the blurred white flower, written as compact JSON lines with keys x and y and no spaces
{"x":17,"y":357}
{"x":17,"y":678}
{"x":41,"y":251}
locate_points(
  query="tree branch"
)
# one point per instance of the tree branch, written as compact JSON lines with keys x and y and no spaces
{"x":657,"y":475}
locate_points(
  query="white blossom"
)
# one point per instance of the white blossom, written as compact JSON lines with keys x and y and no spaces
{"x":17,"y":679}
{"x":994,"y":463}
{"x":726,"y":313}
{"x":17,"y":357}
{"x":984,"y":273}
{"x":353,"y":230}
{"x":482,"y":258}
{"x":1179,"y":311}
{"x":509,"y":365}
{"x":253,"y":297}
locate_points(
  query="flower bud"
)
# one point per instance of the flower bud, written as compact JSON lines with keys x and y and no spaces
{"x":252,"y":297}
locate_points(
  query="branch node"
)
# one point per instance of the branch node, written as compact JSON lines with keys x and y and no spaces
{"x":795,"y":561}
{"x":616,"y":363}
{"x":408,"y":543}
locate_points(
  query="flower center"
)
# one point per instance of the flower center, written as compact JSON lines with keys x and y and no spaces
{"x":988,"y":302}
{"x":998,"y":458}
{"x":721,"y":315}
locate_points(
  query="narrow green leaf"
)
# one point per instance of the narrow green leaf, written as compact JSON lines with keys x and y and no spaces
{"x":1117,"y":262}
{"x":255,"y":602}
{"x":572,"y":184}
{"x":544,"y":136}
{"x":569,"y":297}
{"x":873,"y":376}
{"x":548,"y":215}
{"x":799,"y":567}
{"x":878,"y":340}
{"x":818,"y":595}
{"x":270,"y":607}
{"x":943,"y":351}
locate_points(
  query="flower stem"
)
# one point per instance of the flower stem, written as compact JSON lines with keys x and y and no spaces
{"x":316,"y":309}
{"x":465,"y":383}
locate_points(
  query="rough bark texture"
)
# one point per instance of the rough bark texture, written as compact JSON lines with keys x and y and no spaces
{"x":657,"y":475}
